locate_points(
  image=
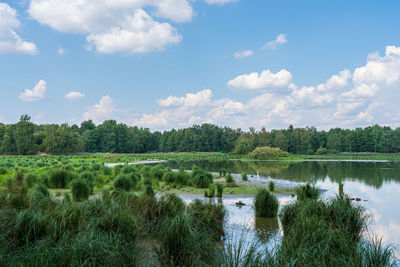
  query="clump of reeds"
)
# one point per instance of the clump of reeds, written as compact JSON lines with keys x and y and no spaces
{"x":265,"y":204}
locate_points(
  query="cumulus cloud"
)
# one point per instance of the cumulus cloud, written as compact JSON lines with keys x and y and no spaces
{"x":218,"y":2}
{"x":10,"y":41}
{"x":266,"y":80}
{"x":243,"y":54}
{"x":190,"y":100}
{"x":280,"y":39}
{"x":101,"y":111}
{"x":349,"y":98}
{"x":74,"y":95}
{"x":36,"y":94}
{"x":116,"y":25}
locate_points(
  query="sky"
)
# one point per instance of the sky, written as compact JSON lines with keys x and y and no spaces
{"x":165,"y":64}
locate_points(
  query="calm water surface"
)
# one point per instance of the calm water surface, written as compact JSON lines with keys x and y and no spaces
{"x":376,"y":183}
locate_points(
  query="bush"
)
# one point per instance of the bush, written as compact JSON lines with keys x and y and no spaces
{"x":229,"y":178}
{"x":306,"y":192}
{"x":157,"y":172}
{"x":169,"y":177}
{"x":202,"y":179}
{"x":244,"y":177}
{"x":267,"y":152}
{"x":271,"y":186}
{"x":220,"y":189}
{"x":266,"y":204}
{"x":210,"y":217}
{"x":80,"y":190}
{"x":182,"y":245}
{"x":59,"y":178}
{"x":123,"y":182}
{"x":329,"y":234}
{"x":322,"y":151}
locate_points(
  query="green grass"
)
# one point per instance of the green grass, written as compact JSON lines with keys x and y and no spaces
{"x":239,"y":189}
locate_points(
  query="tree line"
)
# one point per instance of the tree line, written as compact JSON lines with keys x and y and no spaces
{"x":26,"y":138}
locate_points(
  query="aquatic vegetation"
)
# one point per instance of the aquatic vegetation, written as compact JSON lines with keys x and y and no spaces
{"x":265,"y":204}
{"x":244,"y":177}
{"x":80,"y":190}
{"x":123,"y":182}
{"x":229,"y":178}
{"x":271,"y":186}
{"x":307,"y":192}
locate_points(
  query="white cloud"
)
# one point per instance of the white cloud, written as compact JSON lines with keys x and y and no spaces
{"x":219,"y":2}
{"x":190,"y":100}
{"x":280,"y":39}
{"x":61,"y":51}
{"x":36,"y":94}
{"x":102,"y":111}
{"x":243,"y":54}
{"x":74,"y":95}
{"x":266,"y":80}
{"x":10,"y":41}
{"x":140,"y":34}
{"x":346,"y":99}
{"x":116,"y":25}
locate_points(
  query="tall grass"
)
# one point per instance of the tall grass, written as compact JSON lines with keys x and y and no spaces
{"x":306,"y":192}
{"x":265,"y":204}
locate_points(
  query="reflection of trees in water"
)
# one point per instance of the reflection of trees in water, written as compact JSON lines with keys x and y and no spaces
{"x":266,"y":228}
{"x":371,"y":173}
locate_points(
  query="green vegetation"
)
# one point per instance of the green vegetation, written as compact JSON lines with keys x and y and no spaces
{"x":265,"y":204}
{"x":26,"y":138}
{"x":80,"y":190}
{"x":267,"y":152}
{"x":124,"y":223}
{"x":271,"y":186}
{"x":307,"y":192}
{"x":244,"y":177}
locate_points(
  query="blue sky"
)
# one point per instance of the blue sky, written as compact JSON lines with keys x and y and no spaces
{"x":173,"y":63}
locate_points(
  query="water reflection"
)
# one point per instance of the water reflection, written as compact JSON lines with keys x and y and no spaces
{"x":266,"y":228}
{"x":378,"y":183}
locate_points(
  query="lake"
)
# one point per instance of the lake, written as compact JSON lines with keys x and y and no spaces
{"x":377,"y":184}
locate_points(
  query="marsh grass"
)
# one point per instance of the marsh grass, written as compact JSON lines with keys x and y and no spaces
{"x":307,"y":192}
{"x":265,"y":204}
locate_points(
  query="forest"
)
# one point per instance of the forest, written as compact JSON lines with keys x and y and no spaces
{"x":27,"y":138}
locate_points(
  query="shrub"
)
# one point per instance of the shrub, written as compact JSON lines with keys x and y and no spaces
{"x":266,"y":204}
{"x":182,"y":245}
{"x":229,"y":178}
{"x":59,"y":178}
{"x":80,"y":190}
{"x":211,"y":191}
{"x":170,"y":205}
{"x":321,"y":151}
{"x":306,"y":192}
{"x":202,"y":179}
{"x":271,"y":186}
{"x":123,"y":182}
{"x":267,"y":152}
{"x":244,"y":177}
{"x":210,"y":217}
{"x":181,"y":177}
{"x":220,"y":189}
{"x":169,"y":177}
{"x":157,"y":172}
